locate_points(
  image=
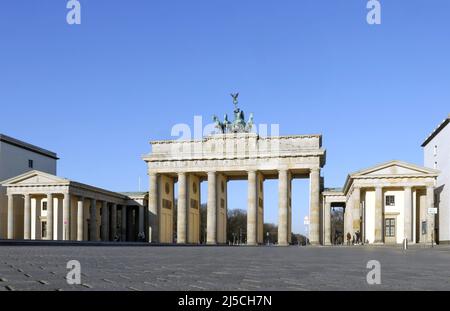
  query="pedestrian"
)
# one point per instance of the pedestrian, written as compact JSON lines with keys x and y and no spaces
{"x":349,"y":237}
{"x":141,"y":236}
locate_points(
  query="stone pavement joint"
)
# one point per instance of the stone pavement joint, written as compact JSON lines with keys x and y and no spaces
{"x":224,"y":268}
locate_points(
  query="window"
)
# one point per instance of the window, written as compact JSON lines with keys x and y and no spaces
{"x":194,"y":204}
{"x":424,"y":227}
{"x":44,"y":229}
{"x":390,"y":227}
{"x":390,"y":200}
{"x":44,"y":206}
{"x":435,"y":165}
{"x":435,"y":150}
{"x":166,"y":204}
{"x":30,"y":163}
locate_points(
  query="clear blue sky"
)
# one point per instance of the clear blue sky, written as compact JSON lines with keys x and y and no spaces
{"x":98,"y":92}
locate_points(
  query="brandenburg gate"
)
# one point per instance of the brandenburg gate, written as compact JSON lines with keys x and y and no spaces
{"x":235,"y":153}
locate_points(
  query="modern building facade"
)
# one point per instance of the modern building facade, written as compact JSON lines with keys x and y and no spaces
{"x":437,"y":155}
{"x":18,"y":157}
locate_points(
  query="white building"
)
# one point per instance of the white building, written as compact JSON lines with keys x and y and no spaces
{"x":386,"y":204}
{"x":437,"y":156}
{"x":16,"y":158}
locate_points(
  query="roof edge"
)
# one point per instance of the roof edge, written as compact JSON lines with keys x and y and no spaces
{"x":24,"y":145}
{"x":436,"y":131}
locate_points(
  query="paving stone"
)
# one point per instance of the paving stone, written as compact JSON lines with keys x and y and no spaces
{"x":223,"y":268}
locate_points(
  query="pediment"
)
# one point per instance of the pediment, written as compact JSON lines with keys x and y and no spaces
{"x":33,"y":178}
{"x":395,"y":168}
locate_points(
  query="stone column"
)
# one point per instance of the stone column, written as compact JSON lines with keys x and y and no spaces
{"x":27,"y":217}
{"x":348,"y":218}
{"x":314,"y":210}
{"x":141,"y":219}
{"x":153,"y":232}
{"x":327,"y":223}
{"x":123,"y":227}
{"x":211,"y":219}
{"x":80,"y":219}
{"x":379,"y":238}
{"x":182,"y":209}
{"x":283,"y":207}
{"x":130,"y":220}
{"x":252,"y":209}
{"x":93,"y":221}
{"x":50,"y":216}
{"x":66,"y":217}
{"x":37,"y":220}
{"x":113,"y":221}
{"x":408,"y":213}
{"x":430,"y":217}
{"x":105,"y":221}
{"x":10,"y":216}
{"x":357,"y":210}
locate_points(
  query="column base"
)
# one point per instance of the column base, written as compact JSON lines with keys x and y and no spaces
{"x":283,"y":244}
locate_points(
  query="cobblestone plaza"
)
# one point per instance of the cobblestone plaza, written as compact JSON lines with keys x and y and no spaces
{"x":150,"y":268}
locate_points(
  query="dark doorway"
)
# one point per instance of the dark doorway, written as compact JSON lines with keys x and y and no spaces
{"x":337,"y":224}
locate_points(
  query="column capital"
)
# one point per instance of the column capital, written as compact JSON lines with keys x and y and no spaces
{"x":357,"y":190}
{"x":282,"y":172}
{"x":314,"y":169}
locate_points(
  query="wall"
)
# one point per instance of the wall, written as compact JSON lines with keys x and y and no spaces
{"x":193,"y":202}
{"x":222,"y":207}
{"x":166,"y":208}
{"x":260,"y":206}
{"x":397,"y":212}
{"x":442,"y":193}
{"x":369,"y":220}
{"x":421,"y":215}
